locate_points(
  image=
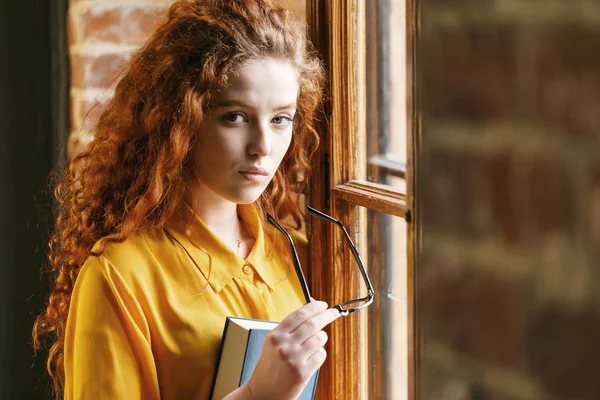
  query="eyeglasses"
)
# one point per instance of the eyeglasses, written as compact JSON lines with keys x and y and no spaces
{"x":346,"y":307}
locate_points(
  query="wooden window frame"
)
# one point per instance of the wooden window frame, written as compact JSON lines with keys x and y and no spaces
{"x":332,"y":28}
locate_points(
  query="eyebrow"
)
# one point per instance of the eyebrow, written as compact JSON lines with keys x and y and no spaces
{"x":229,"y":103}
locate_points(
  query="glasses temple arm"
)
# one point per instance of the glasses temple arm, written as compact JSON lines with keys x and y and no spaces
{"x":351,"y":244}
{"x":295,"y":258}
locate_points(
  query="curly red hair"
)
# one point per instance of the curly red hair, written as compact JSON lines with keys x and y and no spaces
{"x":134,"y":174}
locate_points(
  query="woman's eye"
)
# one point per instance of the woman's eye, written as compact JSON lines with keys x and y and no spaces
{"x":234,"y":118}
{"x":282,"y":120}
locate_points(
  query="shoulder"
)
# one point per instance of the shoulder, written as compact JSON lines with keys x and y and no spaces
{"x":110,"y":287}
{"x":130,"y":260}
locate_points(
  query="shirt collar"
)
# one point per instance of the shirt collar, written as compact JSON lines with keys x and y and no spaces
{"x":217,"y":261}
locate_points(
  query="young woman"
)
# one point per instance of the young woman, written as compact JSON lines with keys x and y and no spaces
{"x":161,"y":232}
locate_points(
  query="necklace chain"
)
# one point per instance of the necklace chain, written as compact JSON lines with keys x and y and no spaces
{"x":240,"y":232}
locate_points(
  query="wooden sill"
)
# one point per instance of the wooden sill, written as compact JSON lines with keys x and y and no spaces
{"x":375,"y":196}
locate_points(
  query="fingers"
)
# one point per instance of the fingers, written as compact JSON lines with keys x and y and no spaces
{"x":314,"y":324}
{"x":313,"y":343}
{"x":298,"y":317}
{"x":301,"y":352}
{"x":316,"y":359}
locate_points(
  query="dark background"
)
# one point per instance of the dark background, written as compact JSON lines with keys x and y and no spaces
{"x":33,"y":125}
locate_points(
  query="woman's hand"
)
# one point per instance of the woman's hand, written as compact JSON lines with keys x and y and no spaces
{"x":292,"y":353}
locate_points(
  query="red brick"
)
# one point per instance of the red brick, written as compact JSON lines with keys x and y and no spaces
{"x":468,"y":72}
{"x":75,"y":145}
{"x":71,"y":113}
{"x":456,"y":196}
{"x":97,"y":71}
{"x":483,"y":393}
{"x":440,"y":382}
{"x":447,"y":386}
{"x":475,"y":315}
{"x":125,"y":25}
{"x":92,"y":109}
{"x":90,"y":112}
{"x":563,"y":352}
{"x":71,"y":39}
{"x":594,"y":227}
{"x":539,"y":194}
{"x":569,"y":84}
{"x":475,"y":195}
{"x":594,"y":212}
{"x":453,"y":4}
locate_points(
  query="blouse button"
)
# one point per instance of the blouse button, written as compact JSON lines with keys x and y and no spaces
{"x":246,"y":269}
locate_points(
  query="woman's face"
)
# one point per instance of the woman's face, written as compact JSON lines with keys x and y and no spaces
{"x":247,"y":130}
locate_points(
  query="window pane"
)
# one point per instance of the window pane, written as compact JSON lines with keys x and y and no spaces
{"x":382,"y":123}
{"x":381,"y":240}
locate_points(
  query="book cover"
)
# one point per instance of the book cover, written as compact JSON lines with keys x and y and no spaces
{"x":240,"y":350}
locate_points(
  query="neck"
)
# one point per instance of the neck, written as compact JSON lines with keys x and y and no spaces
{"x":220,"y":215}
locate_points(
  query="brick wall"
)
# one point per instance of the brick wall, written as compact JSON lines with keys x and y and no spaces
{"x":102,"y":36}
{"x":508,"y":274}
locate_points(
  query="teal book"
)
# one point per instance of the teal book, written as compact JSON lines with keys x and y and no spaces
{"x":239,"y":353}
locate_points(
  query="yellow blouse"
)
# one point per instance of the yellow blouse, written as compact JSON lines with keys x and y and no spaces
{"x":144,"y":322}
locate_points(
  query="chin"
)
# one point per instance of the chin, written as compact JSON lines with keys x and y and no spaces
{"x":247,"y":196}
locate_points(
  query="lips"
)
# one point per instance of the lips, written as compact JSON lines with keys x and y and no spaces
{"x":254,"y":174}
{"x":254,"y":171}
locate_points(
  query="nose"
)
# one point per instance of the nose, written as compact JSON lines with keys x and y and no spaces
{"x":259,"y":144}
